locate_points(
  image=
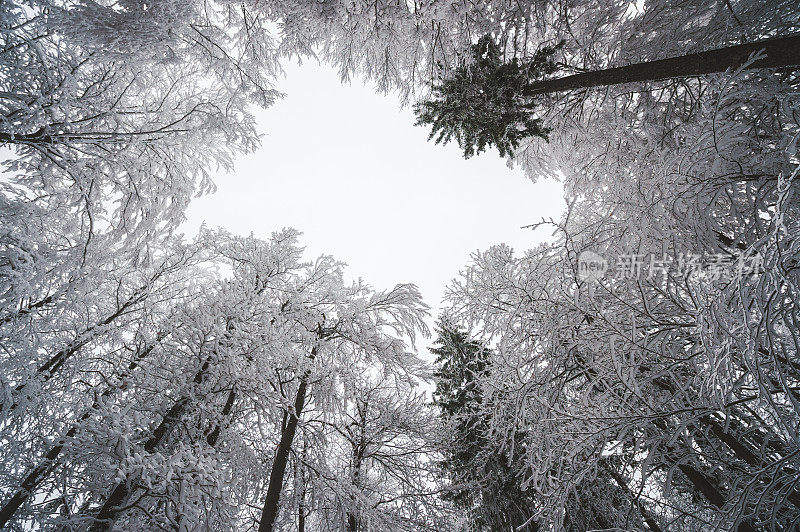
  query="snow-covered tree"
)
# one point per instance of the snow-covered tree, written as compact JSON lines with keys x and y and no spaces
{"x":150,"y":383}
{"x":66,"y":355}
{"x":678,"y":371}
{"x":110,"y":112}
{"x":183,"y":409}
{"x":388,"y":438}
{"x":490,"y":102}
{"x":484,"y":480}
{"x":342,"y":329}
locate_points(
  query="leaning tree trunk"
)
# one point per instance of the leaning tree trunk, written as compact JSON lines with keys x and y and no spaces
{"x":358,"y":450}
{"x":269,"y":513}
{"x":740,"y":449}
{"x":702,"y":483}
{"x":49,"y":368}
{"x":778,"y":52}
{"x":213,"y":436}
{"x":51,"y":458}
{"x":105,"y":517}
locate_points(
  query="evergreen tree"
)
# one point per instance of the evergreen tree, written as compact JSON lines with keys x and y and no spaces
{"x":484,"y":102}
{"x":486,"y":476}
{"x":490,"y":102}
{"x":482,"y":475}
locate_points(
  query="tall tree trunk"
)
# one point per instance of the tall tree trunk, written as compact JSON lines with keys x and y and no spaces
{"x":269,"y":512}
{"x":50,"y":460}
{"x":699,"y":480}
{"x":213,"y":436}
{"x":120,"y":495}
{"x":352,"y":515}
{"x":703,"y":484}
{"x":648,"y":518}
{"x":301,"y":506}
{"x":780,"y":52}
{"x":744,"y":452}
{"x":358,"y":457}
{"x":352,"y":522}
{"x":740,"y":449}
{"x":301,"y":516}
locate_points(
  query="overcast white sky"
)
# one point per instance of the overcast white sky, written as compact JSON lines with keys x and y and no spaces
{"x":347,"y":167}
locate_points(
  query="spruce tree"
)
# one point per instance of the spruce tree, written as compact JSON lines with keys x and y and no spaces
{"x":481,"y":473}
{"x":484,"y":102}
{"x":487,"y":101}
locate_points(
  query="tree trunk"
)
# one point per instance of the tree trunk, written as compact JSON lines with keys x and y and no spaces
{"x":648,"y":518}
{"x":213,"y":436}
{"x":704,"y":485}
{"x":269,"y":513}
{"x":40,"y":139}
{"x":745,"y":453}
{"x":740,"y":449}
{"x":301,"y":517}
{"x":32,"y":480}
{"x":358,"y":457}
{"x":120,"y":495}
{"x":24,"y":311}
{"x":301,"y":506}
{"x":699,"y":480}
{"x":780,"y":52}
{"x":352,"y":515}
{"x":49,"y":462}
{"x":352,"y":522}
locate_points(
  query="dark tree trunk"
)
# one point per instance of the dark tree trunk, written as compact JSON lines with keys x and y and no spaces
{"x":747,"y":454}
{"x":269,"y":513}
{"x":41,"y":139}
{"x":213,"y":436}
{"x":301,"y":518}
{"x":50,"y":460}
{"x":352,"y":522}
{"x":699,"y":480}
{"x":120,"y":494}
{"x":24,"y":311}
{"x":31,"y":481}
{"x":740,"y":449}
{"x":780,"y":52}
{"x":648,"y":518}
{"x":710,"y":491}
{"x":301,"y":506}
{"x":37,"y":137}
{"x":119,"y":497}
{"x":358,"y":457}
{"x":352,"y":515}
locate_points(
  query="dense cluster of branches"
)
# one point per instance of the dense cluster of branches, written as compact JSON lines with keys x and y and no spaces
{"x":148,"y":382}
{"x":485,"y":101}
{"x":176,"y":396}
{"x":664,"y":398}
